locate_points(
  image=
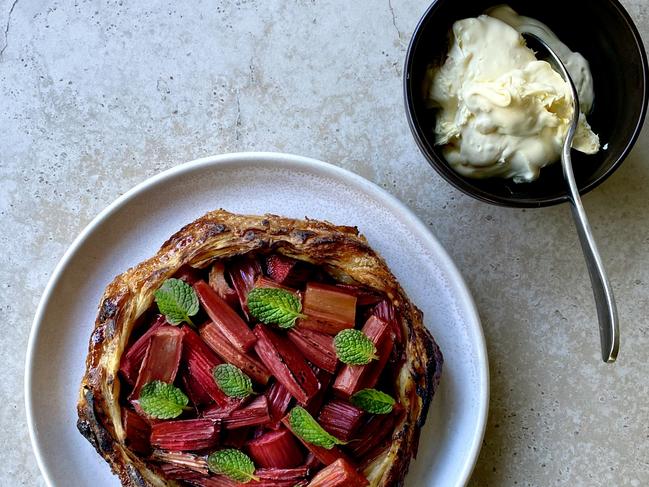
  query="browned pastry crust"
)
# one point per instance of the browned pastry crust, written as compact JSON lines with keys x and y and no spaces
{"x":340,"y":250}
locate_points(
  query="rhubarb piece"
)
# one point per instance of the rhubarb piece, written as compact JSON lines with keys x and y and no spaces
{"x":285,"y":270}
{"x":175,"y":472}
{"x":353,"y":347}
{"x":255,"y":413}
{"x":324,"y":455}
{"x":324,"y":378}
{"x":279,"y":399}
{"x":232,"y":381}
{"x":317,"y":347}
{"x":338,"y":474}
{"x":219,"y":283}
{"x":374,"y":435}
{"x":225,"y":318}
{"x":364,"y":295}
{"x":233,"y":464}
{"x":187,"y":461}
{"x":276,"y":449}
{"x":137,"y":431}
{"x":265,"y":282}
{"x":273,"y":306}
{"x":177,"y":301}
{"x":351,"y":377}
{"x":286,"y":363}
{"x":132,"y":359}
{"x":280,"y":477}
{"x":185,"y":435}
{"x":311,"y":462}
{"x":243,"y":274}
{"x":195,"y":391}
{"x":236,"y":438}
{"x":200,"y":362}
{"x":375,"y":369}
{"x":385,"y":310}
{"x":161,"y":359}
{"x":251,"y":366}
{"x":328,"y":308}
{"x":340,"y":419}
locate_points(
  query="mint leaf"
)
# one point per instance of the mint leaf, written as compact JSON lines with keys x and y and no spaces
{"x":373,"y":401}
{"x":161,"y":400}
{"x":232,"y":381}
{"x":274,"y":306}
{"x":307,"y":428}
{"x":232,"y":463}
{"x":353,"y":347}
{"x":177,"y":300}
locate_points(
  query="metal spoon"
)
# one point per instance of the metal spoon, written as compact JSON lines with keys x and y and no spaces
{"x":609,"y":331}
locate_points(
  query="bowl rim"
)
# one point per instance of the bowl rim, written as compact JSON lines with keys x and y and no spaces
{"x":448,"y":174}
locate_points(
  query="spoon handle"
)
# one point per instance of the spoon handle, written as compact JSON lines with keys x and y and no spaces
{"x":609,"y":331}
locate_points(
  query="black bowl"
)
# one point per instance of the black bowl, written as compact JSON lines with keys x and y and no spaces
{"x":603,"y":32}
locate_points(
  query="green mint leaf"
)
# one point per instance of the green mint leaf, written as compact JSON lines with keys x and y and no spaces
{"x":177,"y":300}
{"x":233,"y":464}
{"x":162,"y":401}
{"x":232,"y":381}
{"x":353,"y":347}
{"x":307,"y":428}
{"x":373,"y":401}
{"x":274,"y":306}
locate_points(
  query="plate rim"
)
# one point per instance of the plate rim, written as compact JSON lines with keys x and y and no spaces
{"x":457,"y":281}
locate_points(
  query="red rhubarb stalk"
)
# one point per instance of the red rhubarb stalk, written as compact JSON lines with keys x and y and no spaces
{"x":257,"y":371}
{"x":255,"y":413}
{"x":351,"y":377}
{"x":185,"y":435}
{"x":374,"y":435}
{"x":200,"y":362}
{"x":174,"y":472}
{"x":385,"y":310}
{"x":340,"y":419}
{"x":324,"y":378}
{"x":132,"y":359}
{"x":364,"y":296}
{"x":338,"y":474}
{"x":187,"y":461}
{"x":328,"y":308}
{"x":279,"y":400}
{"x":276,"y":449}
{"x":218,"y":282}
{"x":286,"y":363}
{"x":137,"y":431}
{"x":317,"y":347}
{"x":243,"y":274}
{"x":161,"y":359}
{"x":225,"y":318}
{"x":188,"y":274}
{"x":285,"y":270}
{"x":195,"y":391}
{"x":375,"y":368}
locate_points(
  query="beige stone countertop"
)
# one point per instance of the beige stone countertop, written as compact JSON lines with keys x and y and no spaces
{"x":96,"y":96}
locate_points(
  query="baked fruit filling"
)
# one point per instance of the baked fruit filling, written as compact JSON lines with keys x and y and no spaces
{"x":257,"y":368}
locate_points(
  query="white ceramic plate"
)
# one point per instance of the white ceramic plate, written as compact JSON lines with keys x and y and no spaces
{"x":133,"y":228}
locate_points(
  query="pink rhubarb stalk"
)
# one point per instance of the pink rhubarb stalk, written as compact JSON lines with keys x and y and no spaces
{"x":317,"y":347}
{"x":185,"y":435}
{"x":338,"y":474}
{"x":243,"y":274}
{"x":279,"y":400}
{"x":257,"y":371}
{"x":132,"y":359}
{"x":161,"y":359}
{"x":276,"y":449}
{"x":329,"y":309}
{"x":137,"y":431}
{"x":341,"y":419}
{"x":225,"y":318}
{"x":286,"y":363}
{"x":218,"y":282}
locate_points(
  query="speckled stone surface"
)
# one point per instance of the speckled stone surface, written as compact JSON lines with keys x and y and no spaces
{"x":97,"y":96}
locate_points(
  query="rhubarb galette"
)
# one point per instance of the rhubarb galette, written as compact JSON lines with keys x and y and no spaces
{"x":258,"y":350}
